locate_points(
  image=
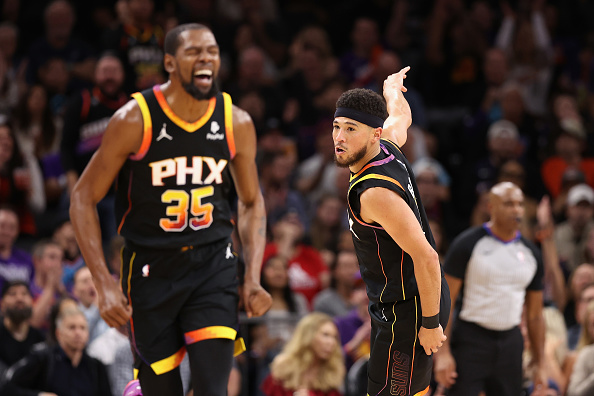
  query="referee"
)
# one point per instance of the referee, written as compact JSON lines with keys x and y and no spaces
{"x":497,"y":271}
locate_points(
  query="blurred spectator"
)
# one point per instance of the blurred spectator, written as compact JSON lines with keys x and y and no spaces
{"x":113,"y":349}
{"x":525,"y":39}
{"x":355,"y":326}
{"x":316,"y":173}
{"x":34,"y":126}
{"x":16,"y":334}
{"x":387,"y":62}
{"x":287,"y":306}
{"x":64,"y":236}
{"x":581,"y":382}
{"x":12,"y":69}
{"x":15,"y":264}
{"x":357,"y":64}
{"x":570,"y":235}
{"x":580,"y":278}
{"x":114,"y":255}
{"x":503,"y":144}
{"x":278,"y":324}
{"x":311,"y":363}
{"x":308,"y":273}
{"x":553,"y":364}
{"x":336,"y":299}
{"x":86,"y":119}
{"x":138,"y":41}
{"x":587,"y":254}
{"x":455,"y":47}
{"x":569,"y":146}
{"x":312,"y":67}
{"x":63,"y":369}
{"x":86,"y":294}
{"x":327,"y":223}
{"x":276,"y":169}
{"x":59,"y":43}
{"x":38,"y":138}
{"x":434,"y":189}
{"x":253,"y":74}
{"x":21,"y":182}
{"x":63,"y":304}
{"x":575,"y":333}
{"x":495,"y":70}
{"x":256,"y":23}
{"x":87,"y":116}
{"x":46,"y":286}
{"x":555,"y":288}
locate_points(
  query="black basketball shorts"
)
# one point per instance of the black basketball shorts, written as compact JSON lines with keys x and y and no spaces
{"x":178,"y":297}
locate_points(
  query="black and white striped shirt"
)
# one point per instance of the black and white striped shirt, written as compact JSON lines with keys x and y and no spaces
{"x":495,"y":274}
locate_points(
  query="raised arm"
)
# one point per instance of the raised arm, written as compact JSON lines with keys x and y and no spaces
{"x":402,"y":225}
{"x":399,"y":115}
{"x":122,"y":138}
{"x":251,"y":221}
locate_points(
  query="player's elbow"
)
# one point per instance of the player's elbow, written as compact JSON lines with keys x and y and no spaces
{"x":429,"y":259}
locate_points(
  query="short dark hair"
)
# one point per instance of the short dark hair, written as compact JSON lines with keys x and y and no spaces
{"x":10,"y":284}
{"x":364,"y":100}
{"x":172,"y":41}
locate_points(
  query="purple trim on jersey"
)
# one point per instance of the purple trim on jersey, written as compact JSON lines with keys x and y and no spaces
{"x":490,"y":232}
{"x":390,"y":158}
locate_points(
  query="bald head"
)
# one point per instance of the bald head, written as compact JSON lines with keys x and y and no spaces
{"x":500,"y":190}
{"x":506,"y":205}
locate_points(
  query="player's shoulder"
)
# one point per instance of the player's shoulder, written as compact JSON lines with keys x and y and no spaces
{"x":129,"y":113}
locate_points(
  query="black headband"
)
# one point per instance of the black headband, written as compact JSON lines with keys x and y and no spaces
{"x":365,"y":118}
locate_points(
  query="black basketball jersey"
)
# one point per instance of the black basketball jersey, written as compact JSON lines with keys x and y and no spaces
{"x":174,"y":191}
{"x":387,"y":270}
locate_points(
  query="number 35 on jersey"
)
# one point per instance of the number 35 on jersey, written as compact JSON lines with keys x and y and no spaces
{"x":187,"y":208}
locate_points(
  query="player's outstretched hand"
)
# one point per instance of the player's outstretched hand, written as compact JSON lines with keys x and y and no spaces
{"x":431,"y":339}
{"x":113,"y":305}
{"x":256,"y":300}
{"x":394,"y":84}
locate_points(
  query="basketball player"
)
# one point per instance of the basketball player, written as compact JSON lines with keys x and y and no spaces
{"x":176,"y":150}
{"x":394,"y":244}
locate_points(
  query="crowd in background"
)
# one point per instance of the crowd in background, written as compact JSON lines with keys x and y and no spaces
{"x":499,"y":91}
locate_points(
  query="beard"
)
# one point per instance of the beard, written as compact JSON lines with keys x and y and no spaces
{"x":190,"y":88}
{"x":19,"y":315}
{"x":352,"y":159}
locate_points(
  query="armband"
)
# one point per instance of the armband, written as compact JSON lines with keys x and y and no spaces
{"x":430,"y":322}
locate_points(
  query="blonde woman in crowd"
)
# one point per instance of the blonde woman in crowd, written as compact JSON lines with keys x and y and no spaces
{"x":311,"y":363}
{"x":581,"y":382}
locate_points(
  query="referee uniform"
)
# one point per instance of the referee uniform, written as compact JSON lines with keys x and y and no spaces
{"x":487,"y":343}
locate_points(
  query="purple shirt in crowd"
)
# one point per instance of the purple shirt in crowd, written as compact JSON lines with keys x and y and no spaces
{"x":19,"y":266}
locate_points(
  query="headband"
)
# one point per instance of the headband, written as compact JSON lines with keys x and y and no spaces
{"x":365,"y":118}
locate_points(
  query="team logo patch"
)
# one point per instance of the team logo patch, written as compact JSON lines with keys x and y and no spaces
{"x":163,"y":133}
{"x":213,"y":135}
{"x":145,"y":270}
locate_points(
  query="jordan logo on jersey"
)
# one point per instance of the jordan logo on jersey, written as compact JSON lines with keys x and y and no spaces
{"x":228,"y":252}
{"x":213,"y":135}
{"x":163,"y":134}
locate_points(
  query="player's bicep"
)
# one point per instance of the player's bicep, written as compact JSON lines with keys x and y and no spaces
{"x":399,"y":221}
{"x":243,"y":166}
{"x":122,"y":138}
